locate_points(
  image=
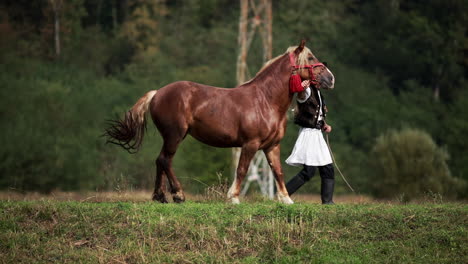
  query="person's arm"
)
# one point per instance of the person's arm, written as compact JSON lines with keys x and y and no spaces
{"x":326,"y":127}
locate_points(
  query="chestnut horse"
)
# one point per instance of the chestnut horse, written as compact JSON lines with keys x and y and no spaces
{"x":251,"y":116}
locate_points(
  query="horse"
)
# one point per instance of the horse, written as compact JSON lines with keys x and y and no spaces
{"x":251,"y":116}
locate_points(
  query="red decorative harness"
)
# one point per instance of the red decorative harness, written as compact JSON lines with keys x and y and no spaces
{"x":295,"y":80}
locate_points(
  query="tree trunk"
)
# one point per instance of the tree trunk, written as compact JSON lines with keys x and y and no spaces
{"x":98,"y":12}
{"x":114,"y":16}
{"x":242,"y":41}
{"x":267,"y":32}
{"x":56,"y":6}
{"x":57,"y":35}
{"x":436,"y":87}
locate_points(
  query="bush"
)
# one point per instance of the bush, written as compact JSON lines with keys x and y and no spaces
{"x":409,"y":164}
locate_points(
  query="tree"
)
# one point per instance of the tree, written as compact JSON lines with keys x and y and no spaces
{"x":141,"y":28}
{"x":413,"y":40}
{"x":409,"y":163}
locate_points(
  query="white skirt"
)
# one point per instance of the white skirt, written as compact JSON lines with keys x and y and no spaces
{"x":310,"y":149}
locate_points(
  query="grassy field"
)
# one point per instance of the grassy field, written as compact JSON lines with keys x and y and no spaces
{"x":86,"y":231}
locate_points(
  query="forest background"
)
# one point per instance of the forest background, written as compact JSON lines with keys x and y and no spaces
{"x":399,"y":115}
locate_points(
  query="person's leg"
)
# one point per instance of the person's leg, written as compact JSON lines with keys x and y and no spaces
{"x":327,"y":174}
{"x":302,"y":177}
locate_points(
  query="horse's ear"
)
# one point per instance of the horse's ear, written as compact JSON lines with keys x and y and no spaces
{"x":300,"y":47}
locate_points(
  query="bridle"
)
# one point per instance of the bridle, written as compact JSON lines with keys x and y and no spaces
{"x":313,"y":78}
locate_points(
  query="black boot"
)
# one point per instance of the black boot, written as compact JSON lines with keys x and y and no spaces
{"x":302,"y":177}
{"x":328,"y":183}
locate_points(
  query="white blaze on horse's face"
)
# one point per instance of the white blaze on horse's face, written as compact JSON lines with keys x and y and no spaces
{"x":332,"y":79}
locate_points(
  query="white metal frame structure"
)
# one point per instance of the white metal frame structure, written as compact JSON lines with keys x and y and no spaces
{"x":261,"y":19}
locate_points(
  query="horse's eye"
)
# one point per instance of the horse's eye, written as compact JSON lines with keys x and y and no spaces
{"x":311,"y":58}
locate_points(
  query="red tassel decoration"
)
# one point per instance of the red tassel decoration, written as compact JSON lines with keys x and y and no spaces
{"x":295,"y":85}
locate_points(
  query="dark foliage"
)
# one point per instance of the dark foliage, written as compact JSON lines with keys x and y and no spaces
{"x":398,"y":64}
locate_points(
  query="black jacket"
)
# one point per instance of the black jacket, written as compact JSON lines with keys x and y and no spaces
{"x":308,"y":112}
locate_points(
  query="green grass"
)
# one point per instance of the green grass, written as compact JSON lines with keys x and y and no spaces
{"x":259,"y":232}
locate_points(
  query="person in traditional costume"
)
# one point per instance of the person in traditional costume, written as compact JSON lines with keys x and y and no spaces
{"x":311,"y":150}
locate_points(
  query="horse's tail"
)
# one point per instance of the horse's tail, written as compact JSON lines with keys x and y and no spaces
{"x":128,"y":133}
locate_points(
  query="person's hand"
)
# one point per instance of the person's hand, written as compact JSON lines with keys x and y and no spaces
{"x":302,"y":95}
{"x":327,"y":128}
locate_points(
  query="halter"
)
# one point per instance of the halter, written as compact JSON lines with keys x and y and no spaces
{"x":311,"y":67}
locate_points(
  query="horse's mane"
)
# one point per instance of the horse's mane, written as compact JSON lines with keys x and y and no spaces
{"x":301,"y":60}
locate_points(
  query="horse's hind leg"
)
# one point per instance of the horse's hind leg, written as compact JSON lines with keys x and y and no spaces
{"x":164,"y":162}
{"x":160,"y":186}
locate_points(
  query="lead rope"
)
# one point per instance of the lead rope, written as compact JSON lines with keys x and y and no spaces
{"x":336,"y":165}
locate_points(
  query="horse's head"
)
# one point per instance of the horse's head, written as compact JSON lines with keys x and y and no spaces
{"x":310,"y":68}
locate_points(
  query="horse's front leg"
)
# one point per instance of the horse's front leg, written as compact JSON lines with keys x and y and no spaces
{"x":247,"y":153}
{"x":273,"y":157}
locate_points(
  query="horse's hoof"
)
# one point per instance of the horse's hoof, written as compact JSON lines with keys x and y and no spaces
{"x":235,"y":200}
{"x":288,"y":201}
{"x":285,"y":200}
{"x":178,"y":197}
{"x":159,"y":197}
